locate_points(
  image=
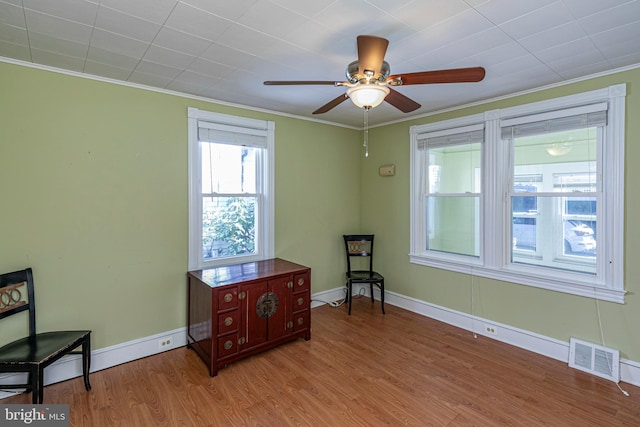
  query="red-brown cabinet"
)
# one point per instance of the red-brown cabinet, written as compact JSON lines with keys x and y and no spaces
{"x":240,"y":310}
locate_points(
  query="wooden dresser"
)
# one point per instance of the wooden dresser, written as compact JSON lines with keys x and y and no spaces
{"x":239,"y":310}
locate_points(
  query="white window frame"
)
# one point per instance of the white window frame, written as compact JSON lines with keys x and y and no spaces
{"x":265,"y":177}
{"x":494,"y":263}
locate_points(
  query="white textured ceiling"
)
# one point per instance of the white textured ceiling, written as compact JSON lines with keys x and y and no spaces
{"x":225,"y":49}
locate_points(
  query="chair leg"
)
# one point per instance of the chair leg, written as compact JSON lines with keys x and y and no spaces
{"x":346,"y":292}
{"x":382,"y":295}
{"x":86,"y":361}
{"x":371,"y":290}
{"x":36,"y":378}
{"x":349,"y":296}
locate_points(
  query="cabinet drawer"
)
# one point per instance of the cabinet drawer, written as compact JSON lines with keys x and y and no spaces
{"x":227,"y":345}
{"x":301,"y":320}
{"x":301,"y":282}
{"x":300,"y":301}
{"x":228,"y":322}
{"x":227,"y":298}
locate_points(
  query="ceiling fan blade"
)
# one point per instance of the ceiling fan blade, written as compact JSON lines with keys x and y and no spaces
{"x":401,"y":102}
{"x":300,"y":82}
{"x":455,"y":75}
{"x":371,"y":51}
{"x":331,"y":104}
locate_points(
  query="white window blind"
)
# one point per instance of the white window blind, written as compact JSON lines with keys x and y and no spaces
{"x":542,"y":123}
{"x":224,"y":134}
{"x":473,"y":134}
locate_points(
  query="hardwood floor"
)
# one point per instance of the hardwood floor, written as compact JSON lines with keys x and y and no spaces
{"x":366,"y":369}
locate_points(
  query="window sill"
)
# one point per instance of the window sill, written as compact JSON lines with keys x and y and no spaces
{"x":558,"y":284}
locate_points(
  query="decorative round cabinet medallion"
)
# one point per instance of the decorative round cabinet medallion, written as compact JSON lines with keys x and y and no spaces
{"x":267,"y":305}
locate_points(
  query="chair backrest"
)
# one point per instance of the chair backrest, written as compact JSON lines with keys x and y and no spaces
{"x":359,"y":245}
{"x":16,"y":295}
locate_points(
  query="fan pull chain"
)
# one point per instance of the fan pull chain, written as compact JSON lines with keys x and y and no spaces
{"x":366,"y":131}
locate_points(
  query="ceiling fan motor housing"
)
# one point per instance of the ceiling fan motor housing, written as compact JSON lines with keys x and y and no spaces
{"x":354,"y":77}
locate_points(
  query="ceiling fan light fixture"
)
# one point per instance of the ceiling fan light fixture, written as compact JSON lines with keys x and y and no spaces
{"x":367,"y":96}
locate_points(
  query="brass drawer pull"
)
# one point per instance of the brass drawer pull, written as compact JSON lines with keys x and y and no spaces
{"x":300,"y":301}
{"x":228,"y":321}
{"x":228,"y":344}
{"x":228,"y":297}
{"x":300,"y":281}
{"x":300,"y":321}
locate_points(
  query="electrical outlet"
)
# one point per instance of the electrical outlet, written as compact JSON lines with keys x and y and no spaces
{"x":491,"y":330}
{"x":165,"y":343}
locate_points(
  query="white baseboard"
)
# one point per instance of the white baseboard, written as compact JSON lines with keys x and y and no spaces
{"x":71,"y":366}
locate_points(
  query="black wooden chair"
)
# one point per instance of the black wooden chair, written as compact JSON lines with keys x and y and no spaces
{"x":35,"y":352}
{"x":361,"y":245}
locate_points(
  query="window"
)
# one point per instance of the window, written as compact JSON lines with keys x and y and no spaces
{"x":230,"y":189}
{"x":531,"y":194}
{"x":452,"y":192}
{"x":554,"y":167}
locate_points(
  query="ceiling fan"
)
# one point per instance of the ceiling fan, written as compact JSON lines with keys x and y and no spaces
{"x":369,"y":81}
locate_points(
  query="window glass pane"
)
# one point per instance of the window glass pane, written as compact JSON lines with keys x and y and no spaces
{"x":453,"y":225}
{"x":228,"y":226}
{"x":454,"y":169}
{"x":228,"y":168}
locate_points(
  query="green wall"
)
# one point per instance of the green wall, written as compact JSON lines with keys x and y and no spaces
{"x":548,"y":313}
{"x":93,"y":180}
{"x":94,"y":198}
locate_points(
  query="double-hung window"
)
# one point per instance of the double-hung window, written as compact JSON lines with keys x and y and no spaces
{"x":531,"y":194}
{"x":230,"y":189}
{"x":451,"y":187}
{"x":554,"y":187}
